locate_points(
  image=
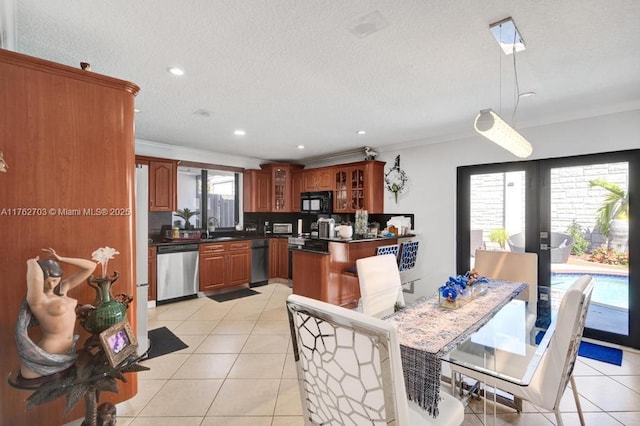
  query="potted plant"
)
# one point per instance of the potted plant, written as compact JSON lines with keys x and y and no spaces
{"x":612,"y":216}
{"x":186,"y":214}
{"x":500,"y":236}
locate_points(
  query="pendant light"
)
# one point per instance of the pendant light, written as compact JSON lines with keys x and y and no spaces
{"x":488,"y":123}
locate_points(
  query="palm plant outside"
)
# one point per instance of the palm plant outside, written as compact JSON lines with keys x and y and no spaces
{"x":615,"y":205}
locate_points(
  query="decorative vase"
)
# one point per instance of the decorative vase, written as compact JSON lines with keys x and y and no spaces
{"x":106,"y":310}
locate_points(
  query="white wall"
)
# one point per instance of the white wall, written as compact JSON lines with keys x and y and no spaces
{"x":431,"y":195}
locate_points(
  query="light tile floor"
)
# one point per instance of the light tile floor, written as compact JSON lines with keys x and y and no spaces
{"x":238,"y":370}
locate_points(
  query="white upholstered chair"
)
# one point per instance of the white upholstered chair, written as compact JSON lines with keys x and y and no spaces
{"x":350,"y":370}
{"x":555,"y":370}
{"x":519,"y":267}
{"x":380,"y":285}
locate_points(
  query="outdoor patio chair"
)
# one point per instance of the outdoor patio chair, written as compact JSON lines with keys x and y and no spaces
{"x":519,"y":267}
{"x":561,"y":245}
{"x":350,"y":371}
{"x":555,"y":370}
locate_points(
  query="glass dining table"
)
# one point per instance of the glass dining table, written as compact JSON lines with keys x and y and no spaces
{"x":501,"y":349}
{"x":480,"y":336}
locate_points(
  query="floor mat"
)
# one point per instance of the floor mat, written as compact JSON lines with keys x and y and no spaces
{"x":162,"y":341}
{"x":225,"y":297}
{"x":593,"y":351}
{"x":600,"y":353}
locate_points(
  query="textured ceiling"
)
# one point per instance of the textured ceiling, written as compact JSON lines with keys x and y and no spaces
{"x":293,"y":72}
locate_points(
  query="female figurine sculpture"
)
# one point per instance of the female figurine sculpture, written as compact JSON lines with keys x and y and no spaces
{"x":48,"y":302}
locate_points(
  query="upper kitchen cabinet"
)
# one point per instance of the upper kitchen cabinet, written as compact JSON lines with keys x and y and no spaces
{"x":297,"y":187}
{"x":256,"y":190}
{"x":162,"y":185}
{"x":281,"y":185}
{"x":318,"y":179}
{"x":359,"y":186}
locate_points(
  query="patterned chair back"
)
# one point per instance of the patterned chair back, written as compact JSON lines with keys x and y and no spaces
{"x":390,"y":249}
{"x":347,"y":365}
{"x":408,"y":255}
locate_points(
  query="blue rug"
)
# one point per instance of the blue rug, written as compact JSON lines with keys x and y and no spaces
{"x":593,"y":351}
{"x":600,"y":353}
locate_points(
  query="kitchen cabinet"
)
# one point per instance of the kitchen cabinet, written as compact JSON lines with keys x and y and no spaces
{"x":162,"y":185}
{"x":256,"y":190}
{"x":359,"y":186}
{"x":297,"y":187}
{"x":318,"y":179}
{"x":151,"y":264}
{"x":224,"y":264}
{"x":281,"y":185}
{"x":279,"y":258}
{"x":68,"y":138}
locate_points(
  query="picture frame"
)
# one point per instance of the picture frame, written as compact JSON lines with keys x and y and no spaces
{"x":119,"y":342}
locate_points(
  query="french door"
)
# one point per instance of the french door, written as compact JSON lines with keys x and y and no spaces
{"x":577,"y":214}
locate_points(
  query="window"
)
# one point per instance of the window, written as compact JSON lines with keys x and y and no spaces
{"x":218,"y":199}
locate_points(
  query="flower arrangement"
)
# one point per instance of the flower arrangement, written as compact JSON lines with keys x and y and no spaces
{"x":102,"y":256}
{"x":461,"y":285}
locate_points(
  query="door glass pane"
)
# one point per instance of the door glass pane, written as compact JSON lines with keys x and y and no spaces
{"x":497,"y":213}
{"x":589,"y":235}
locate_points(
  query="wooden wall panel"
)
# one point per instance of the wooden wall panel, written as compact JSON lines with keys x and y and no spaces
{"x":67,"y":136}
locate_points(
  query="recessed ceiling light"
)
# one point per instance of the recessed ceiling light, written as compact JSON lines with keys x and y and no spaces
{"x":300,"y":146}
{"x":175,"y":71}
{"x":239,"y":132}
{"x":361,"y":132}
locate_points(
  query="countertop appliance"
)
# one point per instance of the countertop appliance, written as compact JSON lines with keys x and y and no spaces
{"x":142,"y":255}
{"x":259,"y":262}
{"x":177,"y":271}
{"x":282,"y":228}
{"x":319,"y":202}
{"x":326,"y":227}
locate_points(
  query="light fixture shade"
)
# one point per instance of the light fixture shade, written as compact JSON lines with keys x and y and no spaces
{"x":493,"y":127}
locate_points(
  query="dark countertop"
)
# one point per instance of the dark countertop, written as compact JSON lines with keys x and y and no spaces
{"x":215,"y":239}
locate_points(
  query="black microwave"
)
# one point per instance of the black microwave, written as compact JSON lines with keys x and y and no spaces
{"x":320,"y":202}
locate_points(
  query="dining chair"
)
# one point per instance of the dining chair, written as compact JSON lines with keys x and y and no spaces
{"x":407,"y":264}
{"x":390,"y":249}
{"x":555,"y":370}
{"x":519,"y":267}
{"x":380,"y":285}
{"x":350,"y":370}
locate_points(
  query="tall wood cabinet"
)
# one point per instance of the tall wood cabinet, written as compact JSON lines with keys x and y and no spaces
{"x":279,"y":258}
{"x":68,"y":139}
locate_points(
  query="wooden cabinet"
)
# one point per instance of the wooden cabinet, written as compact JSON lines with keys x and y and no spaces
{"x":279,"y":258}
{"x":281,"y":185}
{"x":319,"y":179}
{"x":256,"y":190}
{"x":358,"y":186}
{"x":297,"y":187}
{"x":224,"y":265}
{"x":151,"y":271}
{"x":162,"y":185}
{"x":68,"y":138}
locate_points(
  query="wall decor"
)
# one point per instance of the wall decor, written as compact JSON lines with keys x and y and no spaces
{"x":395,"y":179}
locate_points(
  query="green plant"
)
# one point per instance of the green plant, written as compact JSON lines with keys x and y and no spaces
{"x":609,"y":256}
{"x":615,"y":205}
{"x":580,"y":244}
{"x":500,"y":236}
{"x":186,"y":214}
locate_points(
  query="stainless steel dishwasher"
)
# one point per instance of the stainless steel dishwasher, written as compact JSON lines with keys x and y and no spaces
{"x":259,"y":262}
{"x":177,"y":271}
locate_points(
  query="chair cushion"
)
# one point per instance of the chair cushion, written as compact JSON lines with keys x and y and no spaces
{"x":451,"y":412}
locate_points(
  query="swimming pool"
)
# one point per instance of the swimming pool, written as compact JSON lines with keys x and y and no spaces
{"x":612,"y":290}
